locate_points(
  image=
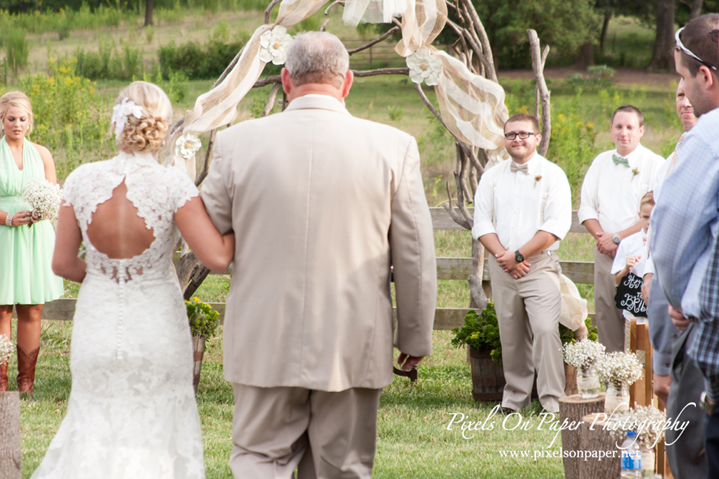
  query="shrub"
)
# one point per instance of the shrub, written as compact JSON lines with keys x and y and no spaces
{"x":196,"y":61}
{"x":16,"y":48}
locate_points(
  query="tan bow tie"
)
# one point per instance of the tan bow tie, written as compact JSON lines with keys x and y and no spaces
{"x":524,"y":168}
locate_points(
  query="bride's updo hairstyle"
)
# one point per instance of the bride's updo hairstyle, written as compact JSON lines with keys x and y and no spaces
{"x":145,"y":134}
{"x":16,"y":99}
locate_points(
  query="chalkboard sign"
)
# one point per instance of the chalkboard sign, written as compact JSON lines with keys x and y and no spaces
{"x":629,"y":295}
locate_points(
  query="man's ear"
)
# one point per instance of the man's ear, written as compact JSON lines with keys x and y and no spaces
{"x":347,"y":83}
{"x":286,"y":81}
{"x":707,"y":77}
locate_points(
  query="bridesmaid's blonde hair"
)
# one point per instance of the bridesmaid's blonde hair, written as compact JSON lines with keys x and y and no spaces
{"x":148,"y":132}
{"x":16,"y":99}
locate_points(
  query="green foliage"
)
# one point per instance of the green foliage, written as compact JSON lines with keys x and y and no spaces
{"x":107,"y":62}
{"x":203,"y":319}
{"x":198,"y":61}
{"x":395,"y":113}
{"x":16,"y":47}
{"x":565,"y":26}
{"x":599,"y":76}
{"x":481,"y":332}
{"x":68,"y":115}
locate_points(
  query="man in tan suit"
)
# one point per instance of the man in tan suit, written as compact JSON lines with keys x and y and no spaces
{"x":322,"y":205}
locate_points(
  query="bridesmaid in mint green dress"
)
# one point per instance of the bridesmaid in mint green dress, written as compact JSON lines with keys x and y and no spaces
{"x":26,"y":277}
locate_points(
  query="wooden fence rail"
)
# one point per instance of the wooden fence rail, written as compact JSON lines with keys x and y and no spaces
{"x":452,"y":268}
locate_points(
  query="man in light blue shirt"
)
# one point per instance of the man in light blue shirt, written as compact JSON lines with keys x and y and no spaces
{"x":687,"y":219}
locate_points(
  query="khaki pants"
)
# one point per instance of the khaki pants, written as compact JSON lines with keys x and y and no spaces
{"x":528,"y":314}
{"x":328,"y":435}
{"x":608,"y":319}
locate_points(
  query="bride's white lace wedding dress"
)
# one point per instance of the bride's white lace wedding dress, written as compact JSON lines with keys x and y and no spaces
{"x":132,"y":410}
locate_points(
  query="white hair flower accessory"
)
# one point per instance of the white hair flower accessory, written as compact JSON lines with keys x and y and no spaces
{"x":187,"y":145}
{"x":423,"y":66}
{"x":123,"y":110}
{"x":273,"y":45}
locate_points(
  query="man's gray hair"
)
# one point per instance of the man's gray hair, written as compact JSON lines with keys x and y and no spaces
{"x":317,"y":57}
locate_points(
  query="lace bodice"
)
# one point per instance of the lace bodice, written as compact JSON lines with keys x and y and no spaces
{"x":156,"y":191}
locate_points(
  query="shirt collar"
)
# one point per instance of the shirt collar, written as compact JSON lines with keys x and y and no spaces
{"x":317,"y":101}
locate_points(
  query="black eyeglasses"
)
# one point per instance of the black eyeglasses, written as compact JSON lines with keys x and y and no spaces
{"x":523,"y":135}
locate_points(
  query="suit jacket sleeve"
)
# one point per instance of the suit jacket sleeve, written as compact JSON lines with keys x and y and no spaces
{"x":415,"y":270}
{"x":215,"y":193}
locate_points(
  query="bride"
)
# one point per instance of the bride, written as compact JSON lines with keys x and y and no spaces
{"x":132,"y":411}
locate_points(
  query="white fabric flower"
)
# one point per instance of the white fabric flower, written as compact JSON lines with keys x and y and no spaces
{"x":273,"y":45}
{"x":120,"y":113}
{"x":423,"y":66}
{"x":187,"y":145}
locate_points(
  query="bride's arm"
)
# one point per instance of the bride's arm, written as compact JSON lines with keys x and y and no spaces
{"x":214,"y":250}
{"x":65,"y":261}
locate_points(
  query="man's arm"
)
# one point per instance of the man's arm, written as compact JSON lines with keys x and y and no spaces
{"x":415,"y":270}
{"x":539,"y":242}
{"x":215,"y":193}
{"x":682,"y":218}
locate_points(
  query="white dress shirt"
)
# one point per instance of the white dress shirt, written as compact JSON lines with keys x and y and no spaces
{"x":510,"y":204}
{"x":632,"y":245}
{"x":611,"y":193}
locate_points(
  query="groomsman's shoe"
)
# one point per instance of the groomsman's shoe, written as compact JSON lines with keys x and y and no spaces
{"x":26,"y":370}
{"x":3,"y":377}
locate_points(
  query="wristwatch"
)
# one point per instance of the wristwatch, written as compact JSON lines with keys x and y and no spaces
{"x":518,"y":257}
{"x":705,"y":404}
{"x":616,"y":238}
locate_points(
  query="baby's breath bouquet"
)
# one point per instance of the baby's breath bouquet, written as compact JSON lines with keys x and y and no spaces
{"x":584,"y":354}
{"x":43,"y":197}
{"x":5,"y":349}
{"x":647,"y":421}
{"x":619,"y":369}
{"x":203,"y":319}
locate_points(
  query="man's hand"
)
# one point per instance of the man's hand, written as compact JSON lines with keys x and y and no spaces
{"x":507,"y":261}
{"x":660,"y":385}
{"x":407,"y":362}
{"x":645,"y":287}
{"x":680,"y":322}
{"x":520,"y":271}
{"x":605,"y":244}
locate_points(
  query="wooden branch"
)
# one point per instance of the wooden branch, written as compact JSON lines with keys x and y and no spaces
{"x":538,"y":67}
{"x":336,"y":2}
{"x":484,"y":39}
{"x":269,"y":9}
{"x":450,"y":210}
{"x":267,"y":81}
{"x":174,"y":127}
{"x":375,"y":41}
{"x":206,"y":164}
{"x":324,"y":25}
{"x":462,"y":184}
{"x":380,"y":71}
{"x":271,"y":101}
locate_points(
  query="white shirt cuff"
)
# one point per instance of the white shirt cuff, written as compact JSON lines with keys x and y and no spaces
{"x":482,"y":228}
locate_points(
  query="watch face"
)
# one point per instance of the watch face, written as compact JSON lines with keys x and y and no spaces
{"x":518,"y":257}
{"x":616,"y":239}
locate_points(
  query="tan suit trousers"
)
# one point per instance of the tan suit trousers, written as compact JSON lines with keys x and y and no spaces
{"x":608,"y":319}
{"x":329,"y":435}
{"x":529,"y":307}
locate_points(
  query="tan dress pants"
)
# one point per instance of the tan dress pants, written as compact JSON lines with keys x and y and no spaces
{"x":608,"y":319}
{"x":325,"y":435}
{"x":528,"y":314}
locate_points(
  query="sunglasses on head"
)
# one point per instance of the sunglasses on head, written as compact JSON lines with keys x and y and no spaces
{"x":682,"y":48}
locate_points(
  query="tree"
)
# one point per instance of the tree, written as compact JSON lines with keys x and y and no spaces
{"x":565,"y":25}
{"x":662,"y":54}
{"x":695,"y":7}
{"x":148,"y":12}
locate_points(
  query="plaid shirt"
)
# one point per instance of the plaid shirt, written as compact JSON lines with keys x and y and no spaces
{"x":705,"y":349}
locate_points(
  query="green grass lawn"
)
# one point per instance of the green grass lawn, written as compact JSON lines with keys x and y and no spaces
{"x":413,"y":436}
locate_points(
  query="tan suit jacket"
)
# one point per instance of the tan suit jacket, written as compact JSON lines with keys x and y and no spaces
{"x":322,"y":204}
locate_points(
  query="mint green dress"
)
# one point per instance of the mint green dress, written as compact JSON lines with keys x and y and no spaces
{"x":26,"y":276}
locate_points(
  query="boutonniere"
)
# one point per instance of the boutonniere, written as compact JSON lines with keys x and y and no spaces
{"x":635,"y":172}
{"x":537,"y":179}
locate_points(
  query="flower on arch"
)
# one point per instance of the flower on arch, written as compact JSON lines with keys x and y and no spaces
{"x":423,"y":66}
{"x":273,"y":45}
{"x":187,"y":145}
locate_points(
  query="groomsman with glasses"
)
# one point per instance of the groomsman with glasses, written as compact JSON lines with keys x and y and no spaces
{"x":612,"y":189}
{"x":523,"y":208}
